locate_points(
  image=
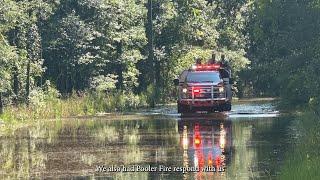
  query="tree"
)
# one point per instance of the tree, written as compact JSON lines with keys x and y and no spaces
{"x":34,"y":56}
{"x":7,"y":57}
{"x":284,"y":50}
{"x":77,"y":43}
{"x":182,"y":28}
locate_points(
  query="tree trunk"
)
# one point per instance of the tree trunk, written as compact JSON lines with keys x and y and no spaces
{"x":157,"y":80}
{"x":15,"y":85}
{"x":120,"y":76}
{"x":120,"y":68}
{"x":151,"y":53}
{"x":28,"y":83}
{"x":1,"y":104}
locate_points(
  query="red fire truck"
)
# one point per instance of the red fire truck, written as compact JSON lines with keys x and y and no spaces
{"x":204,"y":87}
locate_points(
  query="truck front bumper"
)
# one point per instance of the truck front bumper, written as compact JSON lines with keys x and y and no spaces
{"x":203,"y":102}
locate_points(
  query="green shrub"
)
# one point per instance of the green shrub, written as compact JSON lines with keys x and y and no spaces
{"x":150,"y":95}
{"x":47,"y":103}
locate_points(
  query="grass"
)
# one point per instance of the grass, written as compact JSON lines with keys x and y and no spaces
{"x":304,"y":159}
{"x":51,"y":107}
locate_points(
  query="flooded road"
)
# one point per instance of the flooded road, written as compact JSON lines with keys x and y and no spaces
{"x":248,"y":143}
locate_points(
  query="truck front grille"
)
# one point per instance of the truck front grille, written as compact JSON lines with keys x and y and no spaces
{"x":205,"y":92}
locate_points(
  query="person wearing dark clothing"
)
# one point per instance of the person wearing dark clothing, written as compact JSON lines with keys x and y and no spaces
{"x":226,"y":71}
{"x":222,"y":61}
{"x":213,"y":59}
{"x":198,"y":60}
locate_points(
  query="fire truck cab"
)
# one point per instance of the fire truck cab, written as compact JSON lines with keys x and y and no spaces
{"x":204,"y":87}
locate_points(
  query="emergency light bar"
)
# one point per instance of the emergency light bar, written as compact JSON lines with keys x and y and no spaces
{"x":206,"y":67}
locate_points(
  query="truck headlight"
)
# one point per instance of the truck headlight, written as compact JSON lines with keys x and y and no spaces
{"x":221,"y":89}
{"x":184,"y":90}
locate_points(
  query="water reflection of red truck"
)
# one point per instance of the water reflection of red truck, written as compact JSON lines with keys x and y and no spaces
{"x":206,"y":143}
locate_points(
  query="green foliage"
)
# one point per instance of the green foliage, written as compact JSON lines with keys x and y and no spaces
{"x":284,"y":50}
{"x":7,"y":58}
{"x":101,"y":46}
{"x":47,"y":104}
{"x":150,"y":95}
{"x":104,"y":83}
{"x":186,"y":60}
{"x":188,"y":29}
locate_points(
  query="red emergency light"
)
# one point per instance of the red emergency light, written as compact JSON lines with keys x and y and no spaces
{"x":197,"y":90}
{"x":206,"y":67}
{"x":197,"y":137}
{"x":197,"y":141}
{"x":210,"y":161}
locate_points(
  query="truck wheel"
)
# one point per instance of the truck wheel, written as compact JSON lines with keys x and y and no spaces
{"x":221,"y":108}
{"x":184,"y":109}
{"x":227,"y":106}
{"x":181,"y":108}
{"x":215,"y":109}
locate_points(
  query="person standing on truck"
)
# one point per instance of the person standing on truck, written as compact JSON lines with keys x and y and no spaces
{"x":225,"y":73}
{"x":198,"y":61}
{"x":226,"y":67}
{"x":223,"y":61}
{"x":213,"y":59}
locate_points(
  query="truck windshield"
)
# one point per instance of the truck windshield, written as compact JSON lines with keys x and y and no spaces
{"x":200,"y":77}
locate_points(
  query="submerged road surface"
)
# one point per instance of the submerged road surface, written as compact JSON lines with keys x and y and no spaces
{"x":248,"y":143}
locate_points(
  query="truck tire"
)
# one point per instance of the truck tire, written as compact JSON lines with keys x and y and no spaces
{"x":227,"y":106}
{"x":221,"y":108}
{"x":181,"y":108}
{"x":216,"y":109}
{"x":185,"y":109}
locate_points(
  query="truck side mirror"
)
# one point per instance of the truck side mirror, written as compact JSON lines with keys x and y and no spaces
{"x":231,"y":81}
{"x":176,"y":82}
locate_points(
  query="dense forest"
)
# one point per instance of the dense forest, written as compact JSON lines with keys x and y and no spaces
{"x":135,"y":48}
{"x":284,"y":51}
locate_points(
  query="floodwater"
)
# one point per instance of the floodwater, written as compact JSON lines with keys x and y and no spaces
{"x":248,"y":143}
